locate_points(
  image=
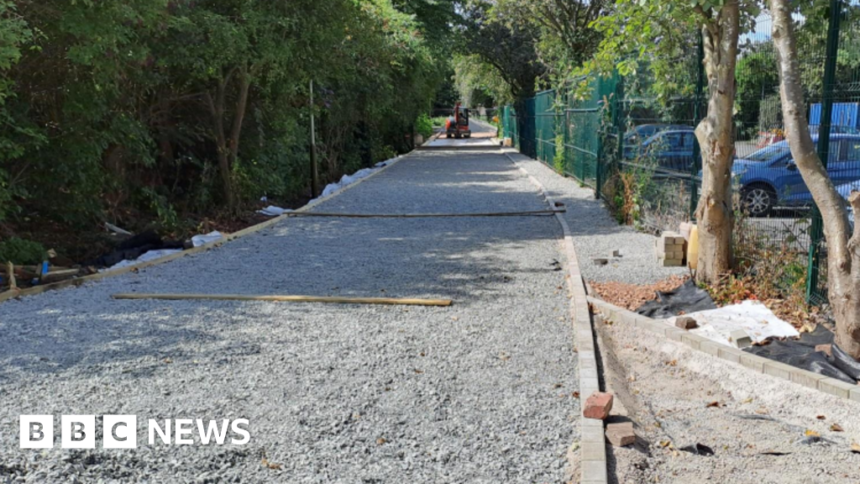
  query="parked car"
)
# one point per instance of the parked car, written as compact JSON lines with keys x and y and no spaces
{"x":671,"y":149}
{"x":642,"y":132}
{"x":769,"y":177}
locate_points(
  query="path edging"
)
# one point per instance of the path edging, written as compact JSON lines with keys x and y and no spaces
{"x":593,"y":463}
{"x":78,"y":281}
{"x":753,"y":362}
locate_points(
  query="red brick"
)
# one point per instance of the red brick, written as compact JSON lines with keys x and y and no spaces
{"x":686,"y":322}
{"x":620,"y":434}
{"x":598,"y":406}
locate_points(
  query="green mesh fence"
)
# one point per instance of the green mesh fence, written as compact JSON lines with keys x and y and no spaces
{"x":639,"y":150}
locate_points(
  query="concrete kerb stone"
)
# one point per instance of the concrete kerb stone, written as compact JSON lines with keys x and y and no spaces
{"x":753,"y":362}
{"x":593,"y":464}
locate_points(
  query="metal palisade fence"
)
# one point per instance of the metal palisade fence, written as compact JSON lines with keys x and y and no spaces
{"x":638,"y":150}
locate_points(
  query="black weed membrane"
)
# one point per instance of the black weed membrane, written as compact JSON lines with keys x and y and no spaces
{"x":799,"y":353}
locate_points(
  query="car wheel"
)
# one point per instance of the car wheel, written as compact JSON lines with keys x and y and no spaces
{"x":758,"y":200}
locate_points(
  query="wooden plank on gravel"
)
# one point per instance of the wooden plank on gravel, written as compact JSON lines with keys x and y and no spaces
{"x":276,"y":298}
{"x":424,"y":215}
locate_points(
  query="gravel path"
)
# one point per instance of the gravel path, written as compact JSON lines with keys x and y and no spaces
{"x":478,"y":392}
{"x":597,"y":234}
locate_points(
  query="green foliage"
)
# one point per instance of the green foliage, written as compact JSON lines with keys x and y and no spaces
{"x":174,"y":106}
{"x":20,"y":251}
{"x":424,"y":125}
{"x":558,"y":160}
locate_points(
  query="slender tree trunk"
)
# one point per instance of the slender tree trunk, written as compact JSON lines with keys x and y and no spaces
{"x":239,"y":115}
{"x":216,"y":109}
{"x":843,"y":253}
{"x":716,"y":139}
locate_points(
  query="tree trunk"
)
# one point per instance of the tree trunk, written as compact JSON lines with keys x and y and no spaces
{"x":216,"y":109}
{"x":239,"y":115}
{"x":716,"y":139}
{"x":843,"y":254}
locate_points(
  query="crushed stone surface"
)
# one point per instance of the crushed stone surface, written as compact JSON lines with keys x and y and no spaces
{"x":596,"y":234}
{"x":479,"y":392}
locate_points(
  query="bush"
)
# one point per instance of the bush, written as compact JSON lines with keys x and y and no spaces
{"x":20,"y":251}
{"x":424,"y":126}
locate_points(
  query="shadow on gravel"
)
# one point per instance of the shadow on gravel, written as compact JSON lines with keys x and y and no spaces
{"x":469,"y":260}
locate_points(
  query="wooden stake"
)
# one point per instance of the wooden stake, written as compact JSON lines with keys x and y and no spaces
{"x":10,"y":273}
{"x":319,"y":299}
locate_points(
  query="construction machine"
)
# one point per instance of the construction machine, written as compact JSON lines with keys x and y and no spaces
{"x":457,"y":125}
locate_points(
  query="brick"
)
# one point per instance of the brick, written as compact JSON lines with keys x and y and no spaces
{"x":686,"y":322}
{"x":806,"y":378}
{"x":710,"y":347}
{"x":836,"y":387}
{"x":598,"y":405}
{"x":691,"y":340}
{"x":753,"y":362}
{"x":826,"y":349}
{"x":594,"y":452}
{"x":674,"y":334}
{"x":740,"y":339}
{"x":777,"y":369}
{"x":620,"y":434}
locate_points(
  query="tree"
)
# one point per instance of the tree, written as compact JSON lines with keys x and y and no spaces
{"x":843,"y":246}
{"x":653,"y":32}
{"x":509,"y":48}
{"x":567,"y":37}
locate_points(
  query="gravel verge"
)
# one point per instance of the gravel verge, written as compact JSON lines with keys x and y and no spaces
{"x":596,"y":234}
{"x":478,"y":392}
{"x":756,"y":425}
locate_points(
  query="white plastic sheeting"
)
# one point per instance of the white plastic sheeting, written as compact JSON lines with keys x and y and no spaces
{"x":273,"y":211}
{"x":751,"y":316}
{"x":197,"y":241}
{"x":331,"y":188}
{"x":145,"y":257}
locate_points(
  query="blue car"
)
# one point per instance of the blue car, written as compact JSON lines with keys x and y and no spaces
{"x":671,"y":149}
{"x":769,"y":178}
{"x":638,"y":134}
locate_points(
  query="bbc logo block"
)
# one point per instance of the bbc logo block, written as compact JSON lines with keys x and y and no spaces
{"x":120,"y":431}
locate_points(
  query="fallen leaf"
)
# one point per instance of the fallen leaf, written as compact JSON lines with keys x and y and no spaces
{"x":271,"y":465}
{"x":672,"y":363}
{"x":821,"y":417}
{"x":380,"y":441}
{"x":855,"y":447}
{"x":713,"y":404}
{"x":665,"y":443}
{"x":575,"y":394}
{"x":836,"y":428}
{"x":558,"y":385}
{"x":811,"y":433}
{"x":419,"y":371}
{"x":748,"y":400}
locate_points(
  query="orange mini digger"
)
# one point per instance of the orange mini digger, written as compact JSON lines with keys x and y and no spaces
{"x":457,"y":126}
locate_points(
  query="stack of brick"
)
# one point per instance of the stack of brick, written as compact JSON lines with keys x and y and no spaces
{"x":671,"y":249}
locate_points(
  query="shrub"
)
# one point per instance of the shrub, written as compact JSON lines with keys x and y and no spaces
{"x":21,"y":251}
{"x":424,"y":126}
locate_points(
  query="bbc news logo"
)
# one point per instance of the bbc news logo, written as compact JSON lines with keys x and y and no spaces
{"x":120,"y":431}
